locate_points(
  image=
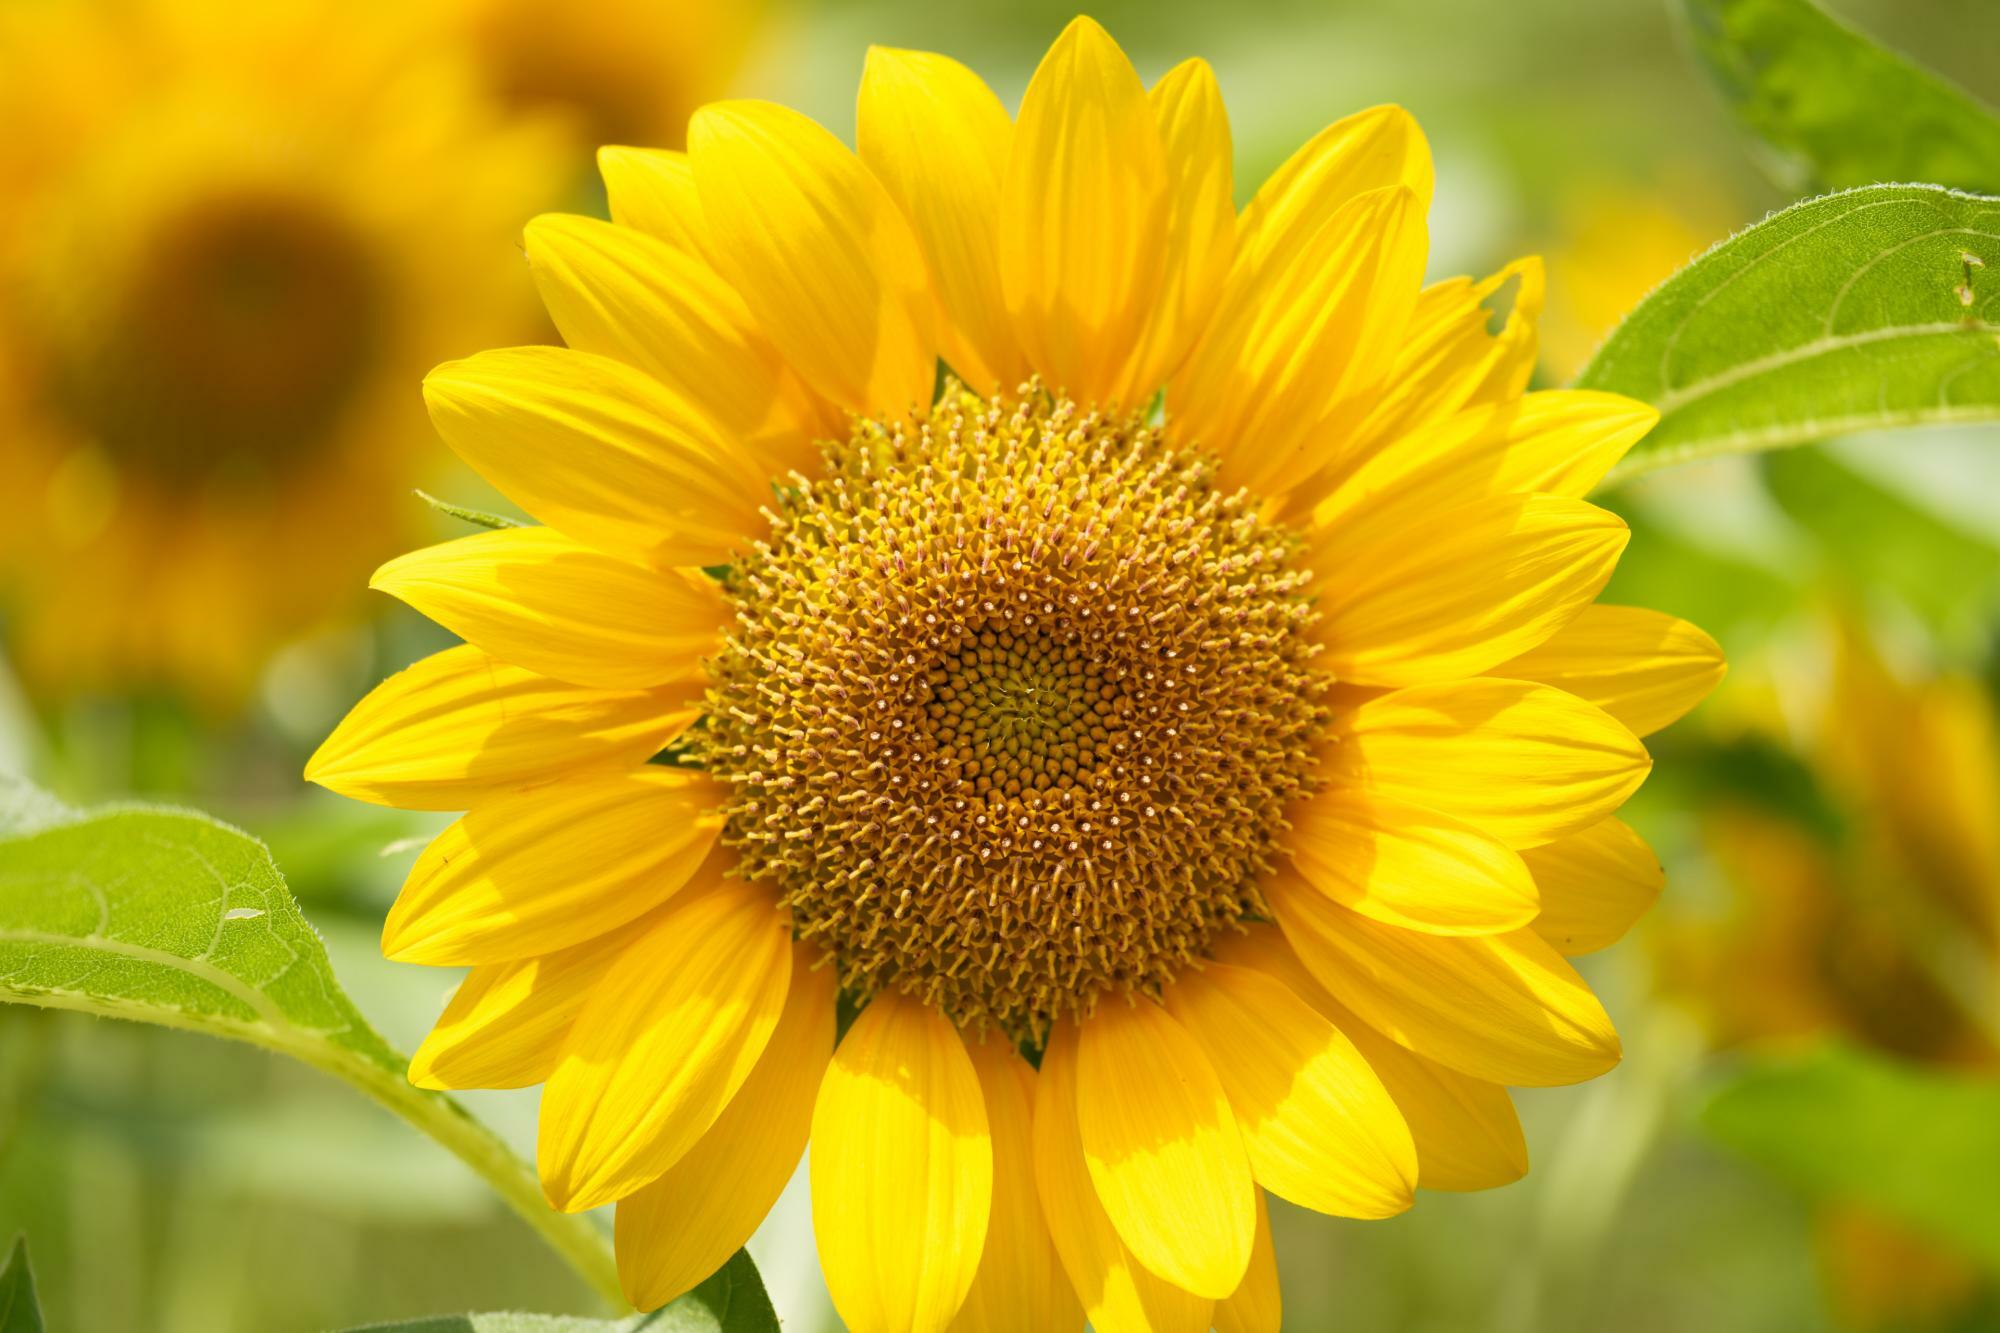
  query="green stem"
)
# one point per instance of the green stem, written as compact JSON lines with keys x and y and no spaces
{"x":580,"y":1242}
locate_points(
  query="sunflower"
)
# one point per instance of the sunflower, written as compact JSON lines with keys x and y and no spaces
{"x":991,"y":727}
{"x":230,"y":237}
{"x":1886,"y":935}
{"x":1611,"y":245}
{"x":624,"y":71}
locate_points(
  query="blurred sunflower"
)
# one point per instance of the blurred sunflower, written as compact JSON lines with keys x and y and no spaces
{"x":1007,"y":711}
{"x":1886,"y":934}
{"x":232,"y":238}
{"x":1611,"y":245}
{"x":623,"y":71}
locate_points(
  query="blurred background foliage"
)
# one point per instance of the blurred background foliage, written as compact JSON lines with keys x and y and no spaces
{"x":1811,"y":1016}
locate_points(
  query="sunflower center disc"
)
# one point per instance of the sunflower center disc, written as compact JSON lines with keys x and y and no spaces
{"x":232,"y":344}
{"x":1013,"y":707}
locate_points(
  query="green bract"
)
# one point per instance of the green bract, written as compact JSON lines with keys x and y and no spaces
{"x":19,"y":1312}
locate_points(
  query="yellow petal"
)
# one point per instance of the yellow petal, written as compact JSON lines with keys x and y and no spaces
{"x":1298,"y":346}
{"x":1163,"y":1148}
{"x":821,"y":254}
{"x":1319,"y":1127}
{"x":1201,"y":226}
{"x":1256,"y":1306}
{"x":678,"y":1230}
{"x":1561,"y":442}
{"x":460,"y":727}
{"x":1450,"y":360}
{"x":1527,"y":763}
{"x":1467,"y":1134}
{"x":669,"y":1035}
{"x":937,"y":138}
{"x":1467,"y":588}
{"x":540,"y":600}
{"x":618,"y":292}
{"x":600,"y":451}
{"x":1084,"y":215}
{"x":1021,"y":1283}
{"x":1118,"y":1295}
{"x":506,"y":1025}
{"x":540,"y":870}
{"x":652,"y":190}
{"x":1645,"y":668}
{"x":1408,"y":866}
{"x":1594,"y":885}
{"x":902,"y":1170}
{"x":1369,"y":150}
{"x":1505,"y":1008}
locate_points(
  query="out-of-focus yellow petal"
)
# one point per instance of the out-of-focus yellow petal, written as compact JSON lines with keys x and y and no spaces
{"x":1466,"y":1132}
{"x":652,"y":190}
{"x":1463,"y":590}
{"x":937,"y":138}
{"x":1408,"y":866}
{"x":1256,"y":1306}
{"x":1201,"y":226}
{"x":1298,"y":345}
{"x":670,"y":1033}
{"x":1645,"y":668}
{"x":1319,"y":1127}
{"x":1118,"y":1294}
{"x":1163,"y":1148}
{"x":1560,"y":442}
{"x":1369,"y":150}
{"x":506,"y":1025}
{"x":621,"y":293}
{"x":1527,"y":763}
{"x":547,"y":602}
{"x":540,"y":870}
{"x":1594,"y":886}
{"x":902,"y":1170}
{"x":461,"y":727}
{"x":1084,"y":215}
{"x":1505,"y":1008}
{"x":822,"y":255}
{"x":601,"y":451}
{"x":678,"y":1230}
{"x":1021,"y":1283}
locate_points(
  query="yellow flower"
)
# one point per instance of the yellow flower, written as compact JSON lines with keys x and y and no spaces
{"x":1020,"y":709}
{"x":231,"y":238}
{"x":1888,"y":936}
{"x":1613,"y":244}
{"x":627,"y":71}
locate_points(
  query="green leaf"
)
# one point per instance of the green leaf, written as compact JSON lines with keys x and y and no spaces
{"x":1838,"y":109}
{"x":1868,"y":309}
{"x":1845,"y":1125}
{"x":731,"y":1301}
{"x":1880,"y":540}
{"x":480,"y":517}
{"x":20,"y":1312}
{"x":170,"y":917}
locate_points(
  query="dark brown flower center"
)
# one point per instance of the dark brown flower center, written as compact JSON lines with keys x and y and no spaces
{"x":230,"y":347}
{"x":1014,"y":704}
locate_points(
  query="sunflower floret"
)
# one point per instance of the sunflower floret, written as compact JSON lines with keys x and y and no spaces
{"x":1013,"y":704}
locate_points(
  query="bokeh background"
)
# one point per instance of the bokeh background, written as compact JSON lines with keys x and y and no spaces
{"x":233,"y":238}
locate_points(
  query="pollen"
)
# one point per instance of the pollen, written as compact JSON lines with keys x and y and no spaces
{"x":1012,"y":707}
